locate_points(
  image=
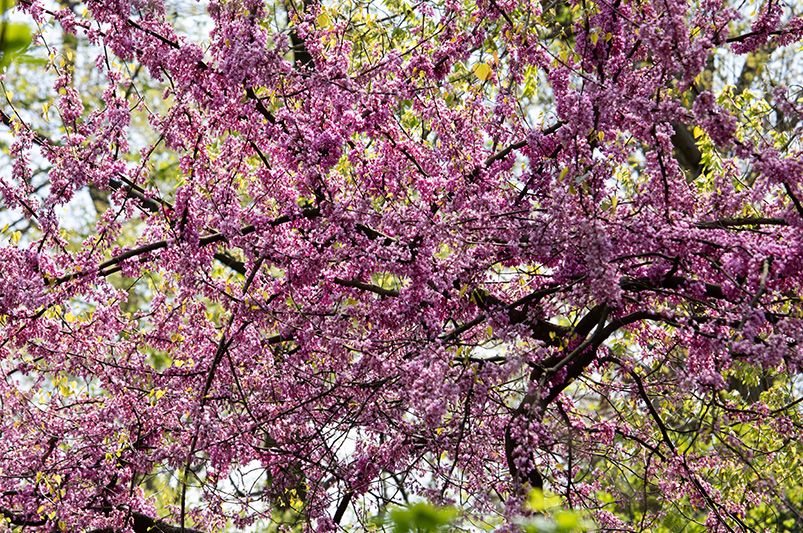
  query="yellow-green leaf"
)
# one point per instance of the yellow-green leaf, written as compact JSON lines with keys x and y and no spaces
{"x":5,"y":5}
{"x":323,"y":21}
{"x":482,"y":71}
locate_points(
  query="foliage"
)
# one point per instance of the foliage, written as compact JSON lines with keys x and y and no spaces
{"x":421,"y":517}
{"x":15,"y":37}
{"x":294,"y":265}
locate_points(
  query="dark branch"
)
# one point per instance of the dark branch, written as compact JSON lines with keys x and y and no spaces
{"x":366,"y":287}
{"x":686,"y":151}
{"x":726,"y":223}
{"x":638,"y":284}
{"x":141,"y":523}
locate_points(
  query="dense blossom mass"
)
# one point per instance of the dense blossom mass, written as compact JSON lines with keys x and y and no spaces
{"x":304,"y":261}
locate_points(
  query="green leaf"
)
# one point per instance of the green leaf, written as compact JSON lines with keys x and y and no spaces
{"x":567,"y":520}
{"x":421,"y":517}
{"x":16,"y":37}
{"x":538,"y":501}
{"x":32,"y":60}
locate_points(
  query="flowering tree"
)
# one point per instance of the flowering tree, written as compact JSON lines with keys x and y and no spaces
{"x":302,"y":261}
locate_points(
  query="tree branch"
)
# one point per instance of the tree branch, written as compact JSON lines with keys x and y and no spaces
{"x":725,"y":223}
{"x":366,"y":287}
{"x":141,"y":523}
